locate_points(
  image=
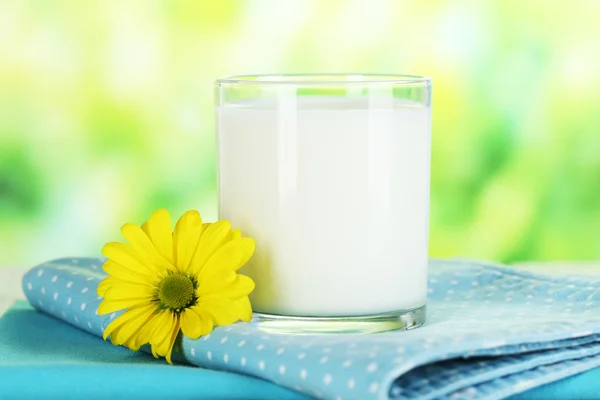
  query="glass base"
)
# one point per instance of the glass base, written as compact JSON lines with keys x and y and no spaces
{"x":396,"y":320}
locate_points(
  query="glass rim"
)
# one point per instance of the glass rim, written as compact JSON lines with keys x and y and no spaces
{"x":312,"y":79}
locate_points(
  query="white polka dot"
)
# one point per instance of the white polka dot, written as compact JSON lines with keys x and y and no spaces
{"x":261,"y":365}
{"x":43,"y":290}
{"x":75,"y":261}
{"x":84,"y":290}
{"x":209,"y":355}
{"x":475,"y":283}
{"x":55,"y":295}
{"x":76,"y":319}
{"x":327,"y":379}
{"x":265,"y":337}
{"x":224,"y":340}
{"x":113,"y":315}
{"x":91,"y":278}
{"x":339,"y":398}
{"x":29,"y":286}
{"x":400,"y":350}
{"x":241,"y":343}
{"x":351,"y":384}
{"x":226,"y":358}
{"x":454,"y":282}
{"x":94,"y":266}
{"x":227,"y":329}
{"x":40,"y":272}
{"x":260,"y":347}
{"x":90,"y":325}
{"x":280,"y":351}
{"x":82,"y":307}
{"x":373,"y":387}
{"x":352,"y":345}
{"x":96,"y":312}
{"x":372,"y":367}
{"x":347,"y":363}
{"x":69,"y":300}
{"x":282,"y":369}
{"x":327,"y":350}
{"x":243,"y":361}
{"x":193,"y":352}
{"x":450,"y":291}
{"x":69,"y":284}
{"x":303,"y":374}
{"x":373,"y":354}
{"x":301,"y":356}
{"x":205,"y":338}
{"x":324,"y":359}
{"x":54,"y":278}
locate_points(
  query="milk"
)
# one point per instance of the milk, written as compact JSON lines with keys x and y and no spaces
{"x":336,"y":196}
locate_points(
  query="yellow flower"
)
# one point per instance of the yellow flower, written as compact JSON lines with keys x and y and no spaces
{"x":167,"y":281}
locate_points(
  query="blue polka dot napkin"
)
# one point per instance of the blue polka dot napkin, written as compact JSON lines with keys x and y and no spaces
{"x":491,"y":332}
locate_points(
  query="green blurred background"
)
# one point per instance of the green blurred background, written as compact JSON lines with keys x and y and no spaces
{"x":106,"y":112}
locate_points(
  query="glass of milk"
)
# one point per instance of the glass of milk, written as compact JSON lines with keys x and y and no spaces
{"x":329,"y":173}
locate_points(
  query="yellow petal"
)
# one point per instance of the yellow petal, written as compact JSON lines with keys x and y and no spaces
{"x":205,"y":318}
{"x":121,"y":319}
{"x":145,"y":334}
{"x":111,"y":281}
{"x":162,"y":328}
{"x":186,"y":237}
{"x":128,"y":317}
{"x":145,"y":249}
{"x":105,"y":284}
{"x":126,"y":258}
{"x":110,"y":306}
{"x":144,"y":227}
{"x":170,"y":321}
{"x":160,"y":232}
{"x":244,"y":308}
{"x":131,"y":342}
{"x":214,"y":282}
{"x":213,"y":236}
{"x":239,"y":287}
{"x":223,"y":311}
{"x":134,"y":325}
{"x":234,"y":234}
{"x":232,"y":255}
{"x":191,"y":324}
{"x":122,"y":292}
{"x":169,"y":350}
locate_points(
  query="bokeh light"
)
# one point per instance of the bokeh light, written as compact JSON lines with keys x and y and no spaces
{"x":106,"y":112}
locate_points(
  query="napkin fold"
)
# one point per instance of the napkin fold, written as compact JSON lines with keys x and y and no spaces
{"x":491,"y":332}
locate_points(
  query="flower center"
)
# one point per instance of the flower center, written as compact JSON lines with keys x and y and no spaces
{"x":176,"y":292}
